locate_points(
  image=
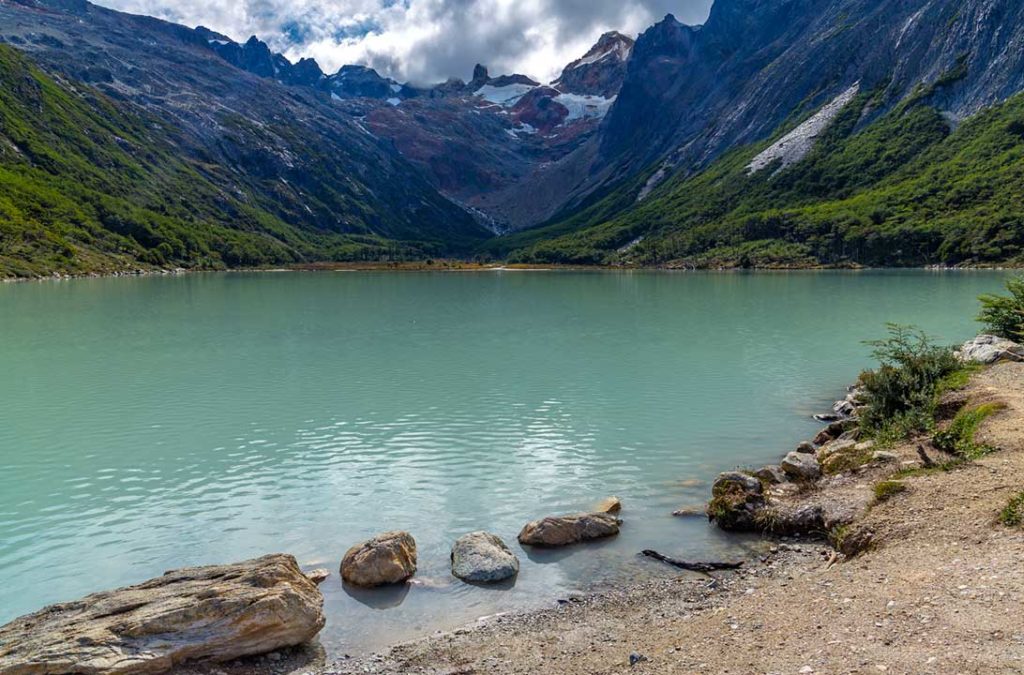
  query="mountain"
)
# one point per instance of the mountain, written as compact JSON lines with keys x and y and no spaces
{"x":315,"y":183}
{"x":796,"y":132}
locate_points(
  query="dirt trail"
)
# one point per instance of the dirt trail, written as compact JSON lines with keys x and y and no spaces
{"x":942,"y":591}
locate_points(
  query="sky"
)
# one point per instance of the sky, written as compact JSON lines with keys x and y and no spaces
{"x":425,"y":41}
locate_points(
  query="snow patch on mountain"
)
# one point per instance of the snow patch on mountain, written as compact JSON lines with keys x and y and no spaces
{"x":506,"y":96}
{"x":585,"y":107}
{"x":795,"y":146}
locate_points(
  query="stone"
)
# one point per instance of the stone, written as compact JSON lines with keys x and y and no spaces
{"x":481,"y":557}
{"x":389,"y":558}
{"x":807,"y":448}
{"x":834,"y":447}
{"x":318,"y":576}
{"x":570,"y":529}
{"x":801,"y":467}
{"x":830,"y":433}
{"x":771,"y":474}
{"x":884,"y":457}
{"x":988,"y":349}
{"x":609,"y":505}
{"x":199,"y":614}
{"x":736,"y":501}
{"x":689,"y":512}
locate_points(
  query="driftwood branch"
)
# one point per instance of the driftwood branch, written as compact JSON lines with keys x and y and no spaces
{"x":928,"y":463}
{"x":694,"y":566}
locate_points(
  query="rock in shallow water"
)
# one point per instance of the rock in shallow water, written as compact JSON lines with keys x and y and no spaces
{"x":389,"y":558}
{"x":481,"y":557}
{"x":571,"y":529}
{"x":215,"y":614}
{"x":609,"y":505}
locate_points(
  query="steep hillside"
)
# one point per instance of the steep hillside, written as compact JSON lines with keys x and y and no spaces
{"x":288,"y":153}
{"x":904,"y":190}
{"x":88,"y":187}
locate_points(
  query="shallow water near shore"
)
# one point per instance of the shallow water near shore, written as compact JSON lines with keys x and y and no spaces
{"x":154,"y":423}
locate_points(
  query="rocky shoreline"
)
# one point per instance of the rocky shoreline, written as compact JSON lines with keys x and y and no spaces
{"x":816,"y":507}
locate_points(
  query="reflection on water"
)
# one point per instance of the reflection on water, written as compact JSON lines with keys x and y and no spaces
{"x":147,"y":424}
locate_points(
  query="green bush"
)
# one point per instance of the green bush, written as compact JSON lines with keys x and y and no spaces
{"x":1004,"y":315}
{"x":1013,"y":514}
{"x":904,"y":386}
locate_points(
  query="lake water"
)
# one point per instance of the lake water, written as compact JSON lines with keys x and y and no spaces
{"x":153,"y":423}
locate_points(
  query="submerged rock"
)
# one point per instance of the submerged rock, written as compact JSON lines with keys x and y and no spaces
{"x":482,"y":557}
{"x":609,"y":505}
{"x":801,"y":466}
{"x":318,"y":576}
{"x":570,"y":529}
{"x":389,"y":558}
{"x":213,"y":614}
{"x":987,"y":349}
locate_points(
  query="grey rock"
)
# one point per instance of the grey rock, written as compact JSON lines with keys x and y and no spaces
{"x":481,"y":557}
{"x":771,"y":474}
{"x":988,"y":349}
{"x":801,"y":466}
{"x":807,"y":448}
{"x":883,"y":456}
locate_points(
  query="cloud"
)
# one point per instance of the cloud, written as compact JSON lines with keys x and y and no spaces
{"x":425,"y":40}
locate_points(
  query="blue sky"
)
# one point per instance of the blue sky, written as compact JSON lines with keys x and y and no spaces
{"x":425,"y":40}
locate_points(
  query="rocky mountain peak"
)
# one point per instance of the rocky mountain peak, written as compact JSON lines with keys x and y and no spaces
{"x":601,"y":70}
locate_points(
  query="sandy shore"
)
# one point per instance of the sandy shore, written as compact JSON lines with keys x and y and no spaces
{"x":940,"y":591}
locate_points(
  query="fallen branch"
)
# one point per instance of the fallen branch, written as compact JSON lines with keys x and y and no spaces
{"x":928,"y":462}
{"x":694,"y":566}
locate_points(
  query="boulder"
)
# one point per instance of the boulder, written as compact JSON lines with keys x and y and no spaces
{"x":481,"y":557}
{"x":771,"y":474}
{"x":884,"y":457}
{"x":736,"y":501}
{"x":609,"y":505}
{"x":570,"y":529}
{"x":807,"y":448}
{"x":198,"y":614}
{"x":987,"y":349}
{"x":389,"y":558}
{"x":801,"y":467}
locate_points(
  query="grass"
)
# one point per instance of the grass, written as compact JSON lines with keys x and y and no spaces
{"x":1013,"y":514}
{"x":888,"y":489}
{"x":959,"y":438}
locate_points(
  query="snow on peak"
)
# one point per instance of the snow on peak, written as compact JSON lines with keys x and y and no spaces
{"x":506,"y":96}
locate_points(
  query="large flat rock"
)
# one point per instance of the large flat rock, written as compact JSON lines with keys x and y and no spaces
{"x":215,"y":613}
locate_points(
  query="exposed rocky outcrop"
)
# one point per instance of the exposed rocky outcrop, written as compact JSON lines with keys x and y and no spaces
{"x":989,"y":349}
{"x":737,"y":499}
{"x":571,"y":529}
{"x":197,"y":614}
{"x":389,"y":558}
{"x":601,"y":70}
{"x":481,"y":557}
{"x":801,"y":466}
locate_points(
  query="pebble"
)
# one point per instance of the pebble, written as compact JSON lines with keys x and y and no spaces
{"x":636,"y":658}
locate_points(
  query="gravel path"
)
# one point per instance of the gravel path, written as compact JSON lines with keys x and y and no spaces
{"x":941,"y":591}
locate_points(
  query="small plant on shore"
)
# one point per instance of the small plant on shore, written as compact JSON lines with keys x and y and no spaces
{"x":1004,"y":315}
{"x":900,"y":395}
{"x":888,"y":489}
{"x":959,"y":438}
{"x":1013,"y":514}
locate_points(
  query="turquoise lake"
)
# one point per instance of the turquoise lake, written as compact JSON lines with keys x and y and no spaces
{"x":160,"y":422}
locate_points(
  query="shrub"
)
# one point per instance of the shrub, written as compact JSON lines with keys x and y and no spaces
{"x":1004,"y":315}
{"x":1013,"y":514}
{"x":905,"y":384}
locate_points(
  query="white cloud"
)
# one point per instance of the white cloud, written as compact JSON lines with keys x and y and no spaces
{"x":425,"y":40}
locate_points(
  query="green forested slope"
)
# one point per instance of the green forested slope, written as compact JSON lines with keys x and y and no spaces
{"x":904,"y":190}
{"x":87,"y":185}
